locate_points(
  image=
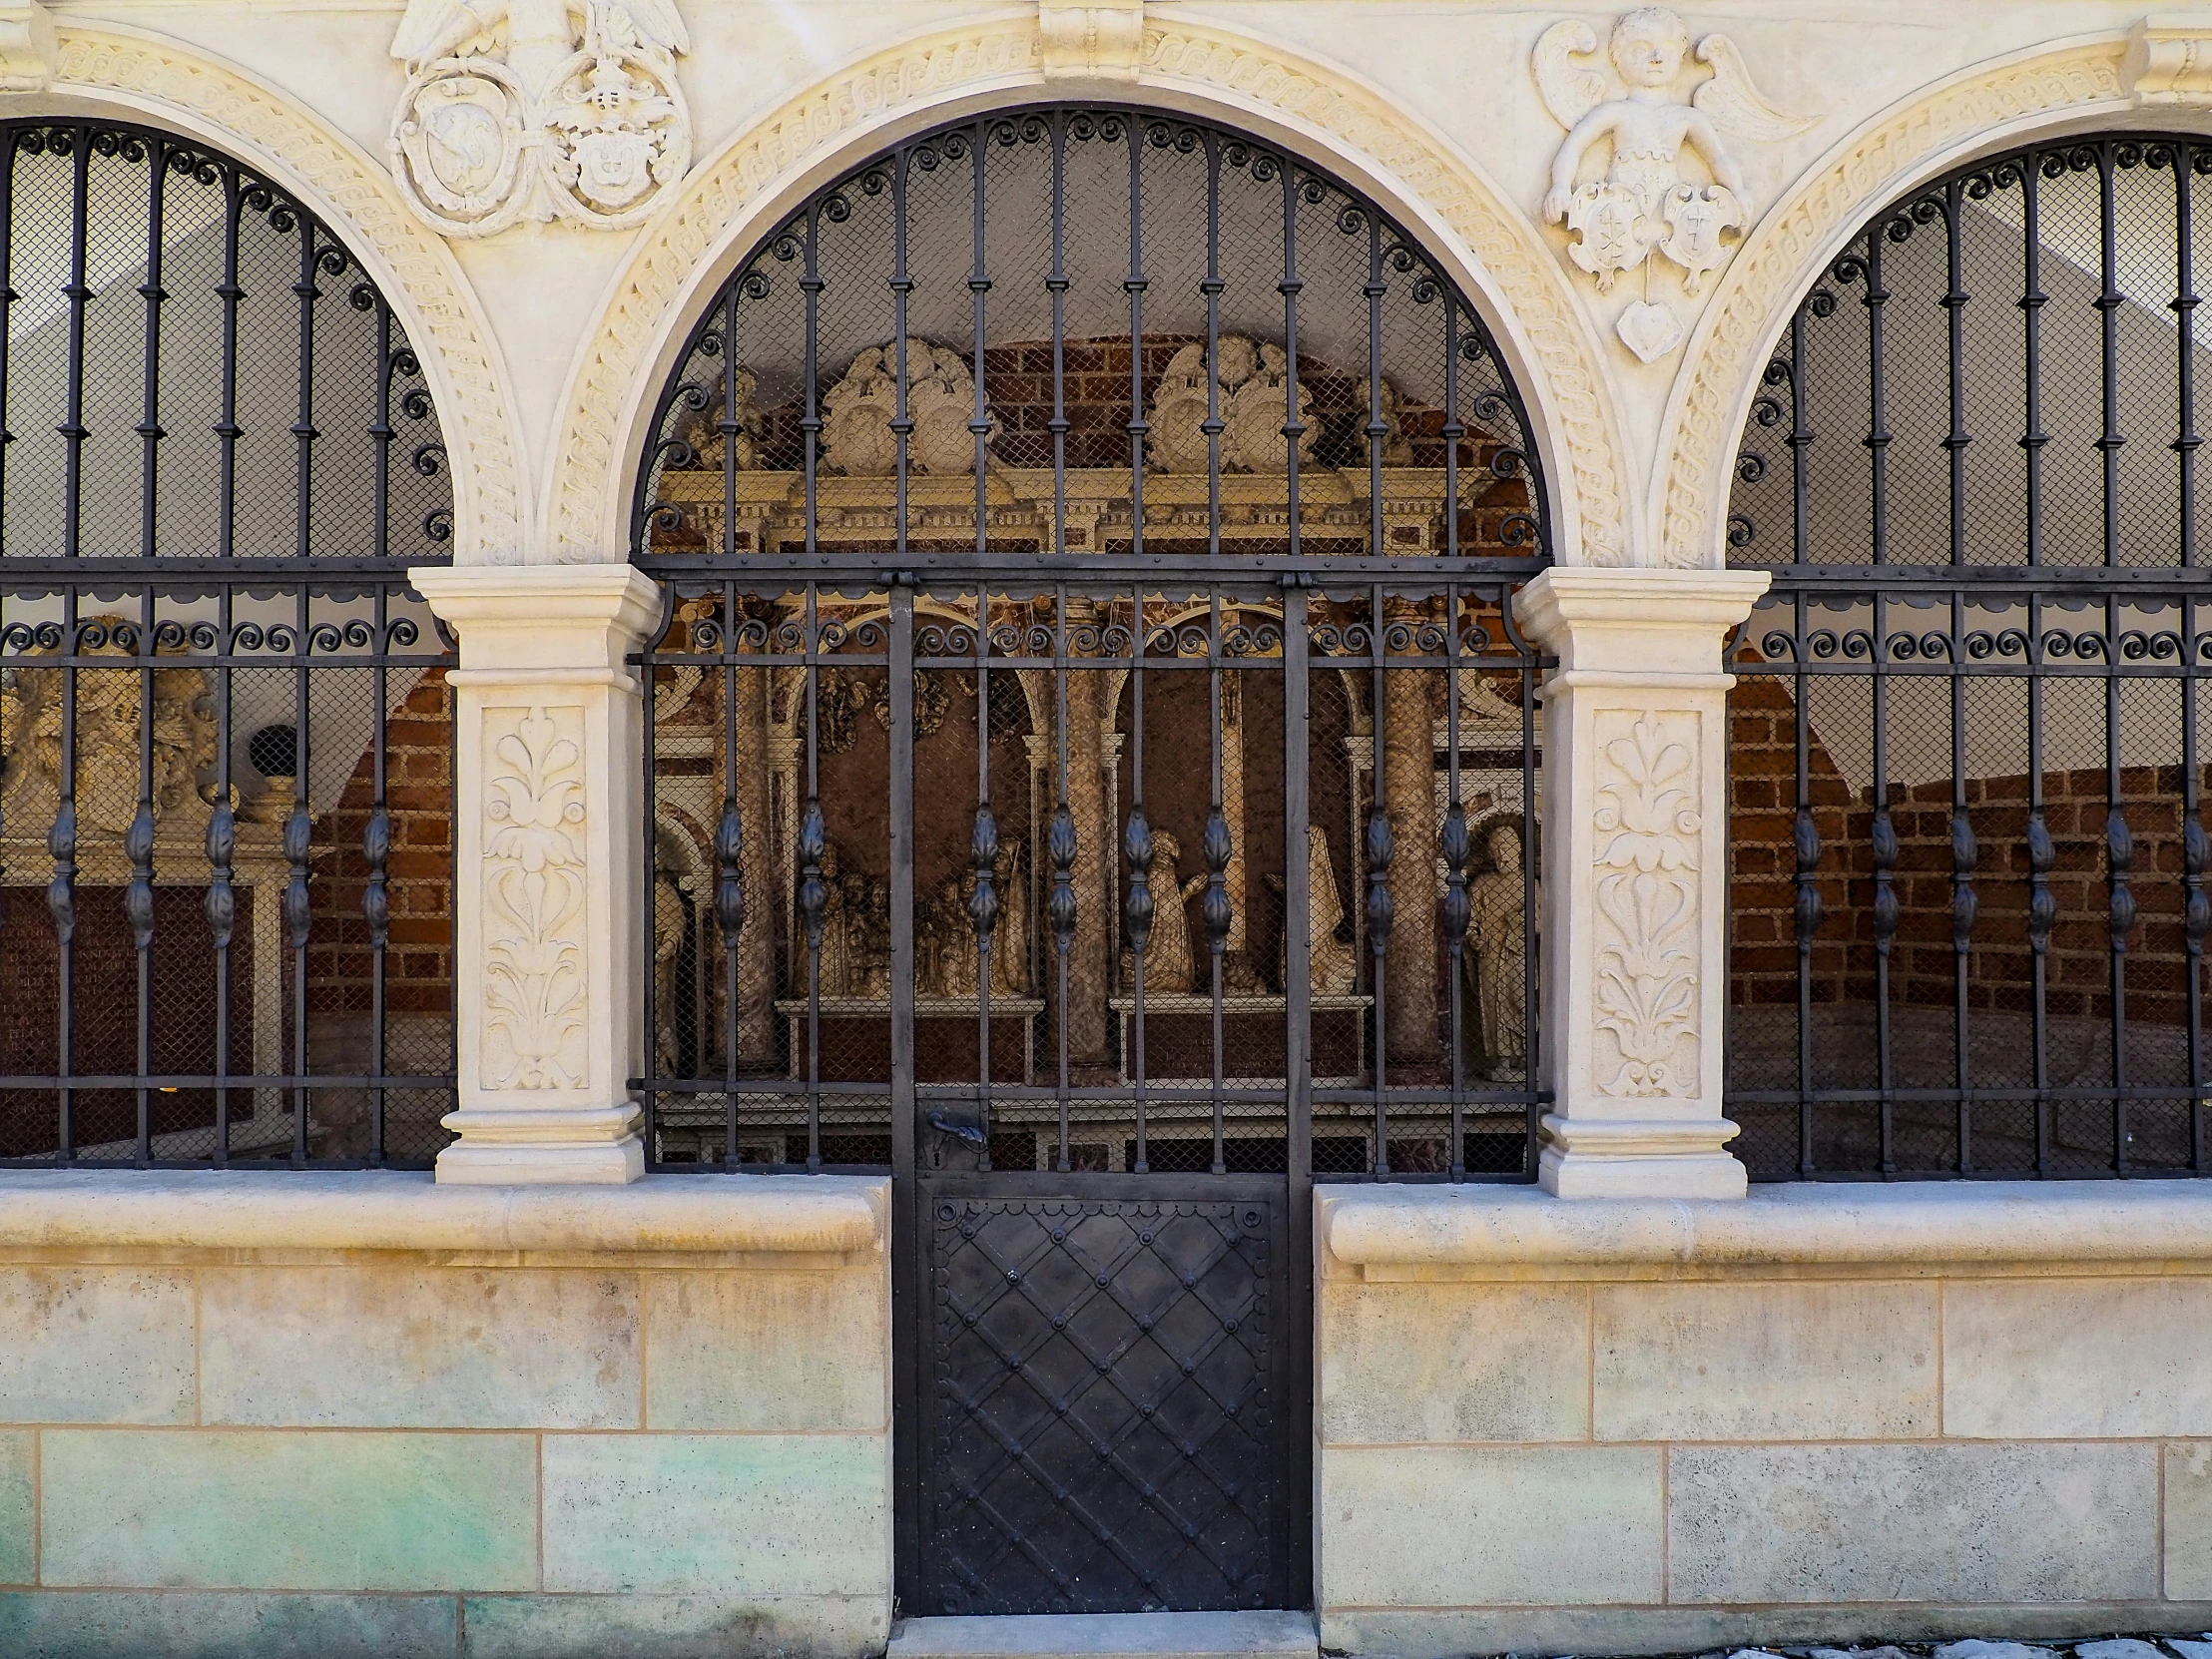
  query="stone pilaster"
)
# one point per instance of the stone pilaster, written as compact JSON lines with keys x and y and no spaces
{"x":547,"y":734}
{"x":1636,"y":878}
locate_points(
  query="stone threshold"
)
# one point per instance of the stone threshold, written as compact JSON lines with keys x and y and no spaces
{"x":1386,"y":1231}
{"x":818,"y":1215}
{"x":1276,"y":1635}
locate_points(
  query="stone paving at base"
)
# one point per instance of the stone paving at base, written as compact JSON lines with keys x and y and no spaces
{"x":2115,"y":1647}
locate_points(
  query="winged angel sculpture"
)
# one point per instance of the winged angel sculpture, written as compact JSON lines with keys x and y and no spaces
{"x":534,"y":108}
{"x":1643,"y":203}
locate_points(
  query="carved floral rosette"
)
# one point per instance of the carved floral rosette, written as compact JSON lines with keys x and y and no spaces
{"x":474,"y":152}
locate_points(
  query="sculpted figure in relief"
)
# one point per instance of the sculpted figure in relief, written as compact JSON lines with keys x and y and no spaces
{"x":1644,"y":204}
{"x":1331,"y":964}
{"x":1167,"y":956}
{"x":520,"y":109}
{"x":1497,"y":952}
{"x":856,"y":435}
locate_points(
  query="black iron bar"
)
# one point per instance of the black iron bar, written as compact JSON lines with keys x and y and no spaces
{"x":1965,"y":903}
{"x":1211,"y":287}
{"x":2108,"y":302}
{"x":376,"y":892}
{"x":61,"y":891}
{"x":1456,"y":850}
{"x":222,"y":899}
{"x":299,"y":849}
{"x":138,"y":895}
{"x":1882,"y":846}
{"x":226,"y":429}
{"x":1806,"y":839}
{"x":2119,"y":857}
{"x":1061,"y":908}
{"x":1137,"y":847}
{"x":2196,"y":911}
{"x":79,"y":291}
{"x":1137,"y":427}
{"x":648,"y":917}
{"x":812,"y":894}
{"x":150,"y":408}
{"x":730,"y":876}
{"x":1955,"y":302}
{"x":1878,"y":437}
{"x":2042,"y":906}
{"x":2033,"y":439}
{"x":1380,"y":909}
{"x":303,"y":431}
{"x":2187,"y":440}
{"x":980,"y":286}
{"x":1214,"y":908}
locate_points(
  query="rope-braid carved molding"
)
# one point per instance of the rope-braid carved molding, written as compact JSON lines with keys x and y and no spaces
{"x":1790,"y":249}
{"x":664,"y":272}
{"x":360,"y":200}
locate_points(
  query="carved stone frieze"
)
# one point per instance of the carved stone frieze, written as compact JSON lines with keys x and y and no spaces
{"x":1645,"y":988}
{"x":1645,"y":204}
{"x":535,"y":866}
{"x":518,"y":109}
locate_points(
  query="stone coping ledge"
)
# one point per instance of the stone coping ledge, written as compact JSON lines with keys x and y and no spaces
{"x":1427,"y":1227}
{"x":394,"y":1210}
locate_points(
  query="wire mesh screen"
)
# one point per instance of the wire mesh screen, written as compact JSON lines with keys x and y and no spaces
{"x":1165,"y":861}
{"x":225,"y":814}
{"x":1969,"y":856}
{"x":1083,"y":709}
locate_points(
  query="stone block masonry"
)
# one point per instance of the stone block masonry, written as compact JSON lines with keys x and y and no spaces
{"x":367,"y":1415}
{"x":1830,"y":1414}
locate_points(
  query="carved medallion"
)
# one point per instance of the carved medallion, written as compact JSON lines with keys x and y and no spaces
{"x":511,"y":112}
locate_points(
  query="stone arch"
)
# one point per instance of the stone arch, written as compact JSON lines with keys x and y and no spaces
{"x":1470,"y":228}
{"x":112,"y":69}
{"x":1993,"y":106}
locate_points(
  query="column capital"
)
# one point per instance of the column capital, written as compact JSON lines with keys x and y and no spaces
{"x":1636,"y":878}
{"x":548,"y":736}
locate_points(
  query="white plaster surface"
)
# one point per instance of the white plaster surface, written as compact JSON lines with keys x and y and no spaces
{"x":393,"y":1210}
{"x":95,"y":1344}
{"x":1952,"y":1523}
{"x":1423,"y":1363}
{"x":1426,"y":1228}
{"x":720,"y":1351}
{"x":1548,"y":1524}
{"x":417,"y":1347}
{"x":1765,"y":1362}
{"x":2077,"y":1359}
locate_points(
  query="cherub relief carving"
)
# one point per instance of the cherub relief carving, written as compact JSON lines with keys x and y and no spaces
{"x":856,"y":435}
{"x":1644,"y":204}
{"x":1252,"y":400}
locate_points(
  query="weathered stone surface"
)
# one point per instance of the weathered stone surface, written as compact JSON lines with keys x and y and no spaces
{"x":747,"y":1514}
{"x":1769,"y":1361}
{"x":2191,"y":1650}
{"x":1916,"y":1523}
{"x":1414,"y":1363}
{"x":290,"y":1512}
{"x":2189,"y":1525}
{"x":721,"y":1350}
{"x":2125,"y":1647}
{"x":95,"y":1344}
{"x":18,"y":1507}
{"x":1857,"y":1653}
{"x":1975,"y":1648}
{"x":1553,"y":1525}
{"x":419,"y":1347}
{"x":135,"y":1624}
{"x":2077,"y":1358}
{"x":704,"y":1626}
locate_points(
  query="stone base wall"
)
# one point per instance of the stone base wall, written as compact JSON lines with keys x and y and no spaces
{"x":674,"y":1441}
{"x":1641,"y":1428}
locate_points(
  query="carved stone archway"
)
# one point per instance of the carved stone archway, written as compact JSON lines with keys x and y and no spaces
{"x":1992,"y":105}
{"x":165,"y":84}
{"x":731,"y":201}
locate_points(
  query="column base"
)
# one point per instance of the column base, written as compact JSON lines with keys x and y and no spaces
{"x":542,"y":1147}
{"x":1639,"y":1158}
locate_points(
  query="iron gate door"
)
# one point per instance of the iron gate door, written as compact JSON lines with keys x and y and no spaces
{"x":1091,"y":775}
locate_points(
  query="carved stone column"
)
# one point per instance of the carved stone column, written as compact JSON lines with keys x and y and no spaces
{"x":547,"y":836}
{"x":1409,"y":763}
{"x":1087,"y":964}
{"x":1635,"y":878}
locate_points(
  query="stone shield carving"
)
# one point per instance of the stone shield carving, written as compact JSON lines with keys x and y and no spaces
{"x":534,"y":897}
{"x":511,"y":112}
{"x":1646,"y":867}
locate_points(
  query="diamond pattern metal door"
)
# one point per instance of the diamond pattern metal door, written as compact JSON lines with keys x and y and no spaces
{"x":1105,"y":1420}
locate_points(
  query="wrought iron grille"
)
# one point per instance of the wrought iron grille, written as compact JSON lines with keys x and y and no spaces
{"x":225,"y":733}
{"x":898,"y":830}
{"x":1067,"y":518}
{"x":1968,"y":907}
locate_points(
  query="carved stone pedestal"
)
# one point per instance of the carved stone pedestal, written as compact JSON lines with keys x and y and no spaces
{"x":548,"y":735}
{"x":1636,"y":878}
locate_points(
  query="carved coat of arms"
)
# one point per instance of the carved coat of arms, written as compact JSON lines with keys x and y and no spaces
{"x":1644,"y":204}
{"x":532,"y":109}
